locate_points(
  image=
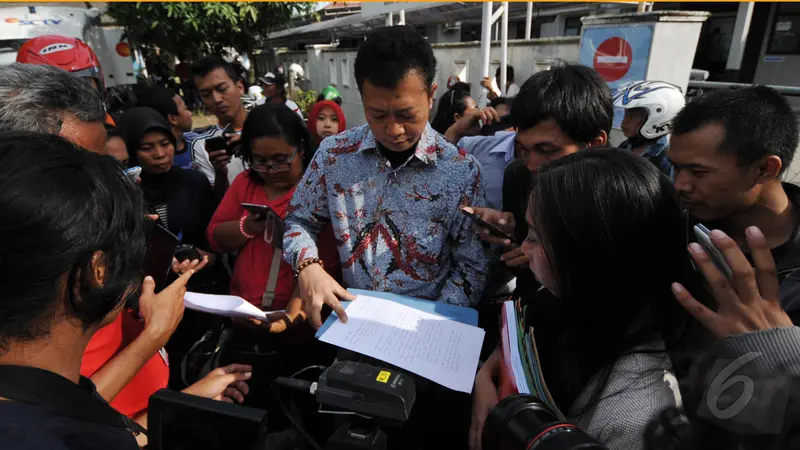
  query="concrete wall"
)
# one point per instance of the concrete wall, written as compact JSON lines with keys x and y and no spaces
{"x":326,"y":65}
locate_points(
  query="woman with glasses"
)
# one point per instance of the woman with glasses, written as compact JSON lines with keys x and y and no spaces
{"x":275,"y":142}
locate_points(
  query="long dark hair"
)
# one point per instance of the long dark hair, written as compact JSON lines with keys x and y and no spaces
{"x":454,"y":101}
{"x":275,"y":120}
{"x":614,"y":234}
{"x":60,"y":205}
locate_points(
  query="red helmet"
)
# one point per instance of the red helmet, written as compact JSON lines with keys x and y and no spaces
{"x":70,"y":54}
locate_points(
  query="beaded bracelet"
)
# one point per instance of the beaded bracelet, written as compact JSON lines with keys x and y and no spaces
{"x":305,"y":263}
{"x":241,"y":228}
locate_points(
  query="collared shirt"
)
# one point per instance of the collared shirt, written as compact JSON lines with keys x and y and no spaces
{"x":494,"y":153}
{"x":398,"y":230}
{"x":656,"y":153}
{"x":202,"y":163}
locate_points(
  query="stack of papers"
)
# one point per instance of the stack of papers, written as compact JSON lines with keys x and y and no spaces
{"x":522,"y":371}
{"x":435,"y":346}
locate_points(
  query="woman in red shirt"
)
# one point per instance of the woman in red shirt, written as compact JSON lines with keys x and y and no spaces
{"x":275,"y":142}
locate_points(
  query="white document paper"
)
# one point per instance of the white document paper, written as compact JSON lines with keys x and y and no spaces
{"x":432,"y":346}
{"x":223,"y":305}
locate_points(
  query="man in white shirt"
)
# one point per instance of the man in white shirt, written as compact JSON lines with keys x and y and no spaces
{"x":493,"y":84}
{"x":275,"y":91}
{"x":220,"y":91}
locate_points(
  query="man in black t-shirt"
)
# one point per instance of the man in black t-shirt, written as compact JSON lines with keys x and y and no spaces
{"x":556,"y":113}
{"x":67,"y":270}
{"x":730,"y":149}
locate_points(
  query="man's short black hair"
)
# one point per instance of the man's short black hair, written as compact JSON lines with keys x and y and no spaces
{"x":204,"y":66}
{"x":758,"y":122}
{"x":573,"y":95}
{"x":161,"y":99}
{"x":390,"y":53}
{"x":509,"y":72}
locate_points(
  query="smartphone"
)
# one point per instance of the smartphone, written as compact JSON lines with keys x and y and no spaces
{"x":133,"y":172}
{"x":496,"y":231}
{"x":259,"y":210}
{"x":161,"y":246}
{"x":704,"y":238}
{"x":491,"y":130}
{"x":187,"y":253}
{"x":273,"y":234}
{"x":220,"y":142}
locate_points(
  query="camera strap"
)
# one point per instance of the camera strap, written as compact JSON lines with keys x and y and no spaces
{"x":78,"y":401}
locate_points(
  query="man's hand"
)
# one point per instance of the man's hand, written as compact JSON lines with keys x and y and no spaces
{"x":504,"y":221}
{"x":749,"y":302}
{"x":220,"y":160}
{"x":486,"y":82}
{"x":276,"y":323}
{"x":225,"y":384}
{"x":182,"y":267}
{"x":469,"y":125}
{"x":318,"y":288}
{"x":255,"y":225}
{"x":485,"y":396}
{"x":515,"y":258}
{"x":163,"y":312}
{"x":233,"y":141}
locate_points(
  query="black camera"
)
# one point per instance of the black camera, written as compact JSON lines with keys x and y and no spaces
{"x":524,"y":422}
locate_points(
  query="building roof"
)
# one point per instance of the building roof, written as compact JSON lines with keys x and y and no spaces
{"x":420,"y":14}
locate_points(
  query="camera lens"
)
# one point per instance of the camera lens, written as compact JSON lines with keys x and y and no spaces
{"x":523,"y":422}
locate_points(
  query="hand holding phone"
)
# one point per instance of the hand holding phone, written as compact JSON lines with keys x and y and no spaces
{"x":703,"y":235}
{"x":161,"y":246}
{"x":257,"y":210}
{"x":133,"y":172}
{"x":491,"y":228}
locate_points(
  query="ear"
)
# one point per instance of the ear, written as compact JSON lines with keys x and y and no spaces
{"x":600,"y":140}
{"x":432,"y":94}
{"x":98,"y":268}
{"x":769,"y":168}
{"x":240,"y":85}
{"x":172,"y":119}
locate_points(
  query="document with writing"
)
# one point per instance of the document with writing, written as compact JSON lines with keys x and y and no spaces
{"x":440,"y":349}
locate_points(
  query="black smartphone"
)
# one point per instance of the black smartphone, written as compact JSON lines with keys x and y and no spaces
{"x":491,"y":130}
{"x":259,"y":210}
{"x":161,"y":246}
{"x":496,"y":231}
{"x":220,"y":142}
{"x":187,"y":253}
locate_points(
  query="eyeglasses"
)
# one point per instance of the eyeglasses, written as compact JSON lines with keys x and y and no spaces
{"x":264,"y":163}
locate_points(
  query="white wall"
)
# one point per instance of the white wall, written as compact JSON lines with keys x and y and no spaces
{"x":325,"y":65}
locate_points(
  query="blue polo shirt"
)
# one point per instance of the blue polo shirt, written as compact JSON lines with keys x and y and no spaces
{"x":494,"y":154}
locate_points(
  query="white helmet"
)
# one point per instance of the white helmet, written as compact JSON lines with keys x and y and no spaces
{"x":662,"y":101}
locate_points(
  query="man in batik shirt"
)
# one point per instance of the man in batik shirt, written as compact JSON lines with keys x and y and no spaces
{"x":393,"y":190}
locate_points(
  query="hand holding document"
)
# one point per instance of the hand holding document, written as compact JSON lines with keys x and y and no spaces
{"x":223,"y":305}
{"x":438,"y":348}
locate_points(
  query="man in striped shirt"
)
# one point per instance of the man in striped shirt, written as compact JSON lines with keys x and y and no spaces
{"x":220,"y":91}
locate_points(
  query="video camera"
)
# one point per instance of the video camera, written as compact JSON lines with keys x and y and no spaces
{"x":375,"y":397}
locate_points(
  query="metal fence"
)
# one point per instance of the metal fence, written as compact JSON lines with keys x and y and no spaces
{"x":696,"y":88}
